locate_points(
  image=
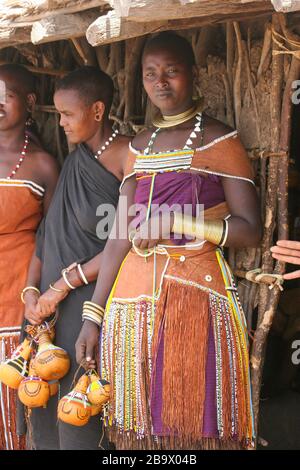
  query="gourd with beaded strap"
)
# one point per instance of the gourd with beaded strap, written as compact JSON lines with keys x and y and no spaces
{"x":98,"y":391}
{"x":13,"y":371}
{"x":33,"y":391}
{"x":51,"y":362}
{"x":74,"y":408}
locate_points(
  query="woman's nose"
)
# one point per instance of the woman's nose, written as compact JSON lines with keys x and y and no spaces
{"x":62,"y":121}
{"x":162,"y":81}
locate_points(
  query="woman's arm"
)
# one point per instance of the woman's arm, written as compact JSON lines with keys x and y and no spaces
{"x":114,"y":253}
{"x":31,"y":296}
{"x":244,"y":225}
{"x":50,"y":299}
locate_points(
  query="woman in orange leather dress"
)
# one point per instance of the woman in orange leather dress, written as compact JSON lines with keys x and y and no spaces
{"x":28,"y":177}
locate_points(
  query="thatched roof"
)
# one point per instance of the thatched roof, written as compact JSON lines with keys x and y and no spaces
{"x":106,"y":21}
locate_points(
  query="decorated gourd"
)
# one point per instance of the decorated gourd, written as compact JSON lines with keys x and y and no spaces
{"x":98,"y":391}
{"x":75,"y":408}
{"x":51,"y":362}
{"x":96,"y":409}
{"x":13,"y":371}
{"x":33,"y":391}
{"x":54,"y":387}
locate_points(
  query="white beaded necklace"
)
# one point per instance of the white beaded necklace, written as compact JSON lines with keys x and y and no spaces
{"x":107,"y":143}
{"x":197,"y":129}
{"x":23,"y":155}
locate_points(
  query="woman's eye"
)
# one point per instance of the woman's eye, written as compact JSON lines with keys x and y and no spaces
{"x":172,"y":71}
{"x":149,"y":74}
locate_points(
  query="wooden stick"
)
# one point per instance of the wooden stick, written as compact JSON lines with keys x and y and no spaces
{"x":268,"y":302}
{"x":237,"y":99}
{"x":41,"y":70}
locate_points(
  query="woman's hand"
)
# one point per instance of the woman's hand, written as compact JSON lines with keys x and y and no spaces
{"x":289,"y":252}
{"x":86,"y":345}
{"x":49,"y":300}
{"x":150,"y":232}
{"x":31,"y":299}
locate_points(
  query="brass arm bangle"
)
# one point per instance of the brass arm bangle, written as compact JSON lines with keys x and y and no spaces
{"x":27,"y":289}
{"x":213,"y":231}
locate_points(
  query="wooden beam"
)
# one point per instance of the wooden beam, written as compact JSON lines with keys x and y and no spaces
{"x":41,"y":70}
{"x":12,"y":37}
{"x":111,"y":28}
{"x":23,"y":13}
{"x":55,"y":28}
{"x":146,"y":10}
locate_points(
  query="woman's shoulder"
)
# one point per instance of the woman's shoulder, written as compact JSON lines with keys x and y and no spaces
{"x":46,"y":166}
{"x":141,"y":140}
{"x":214,"y":129}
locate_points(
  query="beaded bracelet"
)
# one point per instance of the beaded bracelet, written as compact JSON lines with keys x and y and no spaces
{"x":29,"y":288}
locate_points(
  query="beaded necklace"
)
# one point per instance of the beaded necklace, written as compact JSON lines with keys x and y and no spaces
{"x":23,"y":155}
{"x":197,"y":129}
{"x":107,"y":143}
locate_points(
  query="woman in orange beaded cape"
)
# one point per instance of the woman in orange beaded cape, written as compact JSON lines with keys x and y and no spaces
{"x":174,"y":340}
{"x":28,"y":177}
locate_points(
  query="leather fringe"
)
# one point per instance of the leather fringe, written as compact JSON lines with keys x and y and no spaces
{"x":183,"y":316}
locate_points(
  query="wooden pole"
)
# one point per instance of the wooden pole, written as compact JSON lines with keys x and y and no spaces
{"x":277,"y":197}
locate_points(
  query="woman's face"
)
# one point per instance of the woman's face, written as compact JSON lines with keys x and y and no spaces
{"x":168,"y":80}
{"x":76,"y":117}
{"x":16,"y":103}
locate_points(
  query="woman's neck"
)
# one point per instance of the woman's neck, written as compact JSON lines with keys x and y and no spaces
{"x":102,"y":135}
{"x":11,"y":139}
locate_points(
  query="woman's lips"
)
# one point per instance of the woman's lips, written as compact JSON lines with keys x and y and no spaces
{"x":163,"y":94}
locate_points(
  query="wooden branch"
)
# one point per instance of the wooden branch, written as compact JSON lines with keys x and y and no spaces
{"x":230,"y":53}
{"x":267,"y":301}
{"x":55,"y":28}
{"x":84,"y":50}
{"x":102,"y":58}
{"x":266,"y":50}
{"x":143,"y":11}
{"x":237,"y":99}
{"x":13,"y":37}
{"x":110,"y":28}
{"x":23,"y":12}
{"x":41,"y":70}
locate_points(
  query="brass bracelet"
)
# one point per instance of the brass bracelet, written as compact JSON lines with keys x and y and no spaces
{"x":55,"y":289}
{"x":27,"y":289}
{"x":211,"y":230}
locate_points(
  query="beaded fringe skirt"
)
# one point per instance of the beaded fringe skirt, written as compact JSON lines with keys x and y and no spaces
{"x":178,"y":362}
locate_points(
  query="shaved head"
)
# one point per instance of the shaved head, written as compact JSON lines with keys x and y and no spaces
{"x":91,"y":84}
{"x":171,"y":41}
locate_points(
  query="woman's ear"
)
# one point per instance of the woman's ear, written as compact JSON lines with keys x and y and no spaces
{"x":99,"y":110}
{"x":30,"y":101}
